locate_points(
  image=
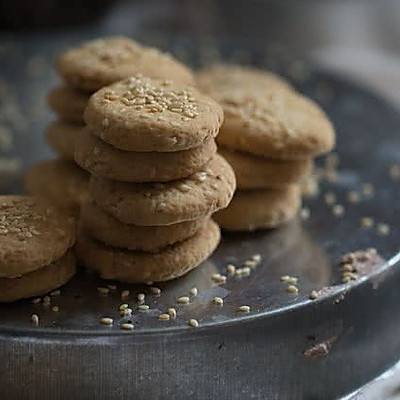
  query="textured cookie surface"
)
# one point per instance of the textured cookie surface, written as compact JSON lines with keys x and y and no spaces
{"x":140,"y":267}
{"x":143,"y":114}
{"x":59,"y":182}
{"x":68,"y":103}
{"x":32,"y":235}
{"x":100,"y":62}
{"x":254,"y":172}
{"x":260,"y":209}
{"x":269,"y":119}
{"x":200,"y":195}
{"x":105,"y":228}
{"x":106,"y":161}
{"x":62,"y":137}
{"x":38,"y":282}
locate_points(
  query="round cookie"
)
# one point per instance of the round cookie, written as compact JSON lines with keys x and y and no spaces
{"x":32,"y":235}
{"x":62,"y":137}
{"x":38,"y":282}
{"x":187,"y":199}
{"x":59,"y":182}
{"x":68,"y":103}
{"x":270,"y":119}
{"x":101,"y":226}
{"x":254,"y":172}
{"x":100,"y":62}
{"x":260,"y":209}
{"x":139,"y":267}
{"x":143,"y":114}
{"x":102,"y":159}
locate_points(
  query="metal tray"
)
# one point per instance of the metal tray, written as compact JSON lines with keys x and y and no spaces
{"x":351,"y":332}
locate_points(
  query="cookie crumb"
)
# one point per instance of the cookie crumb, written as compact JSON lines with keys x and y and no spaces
{"x":35,"y":319}
{"x":193,"y":323}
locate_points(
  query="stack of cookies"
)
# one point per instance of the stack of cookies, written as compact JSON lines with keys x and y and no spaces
{"x":156,"y":180}
{"x":84,"y":70}
{"x":35,"y":248}
{"x":270,"y":136}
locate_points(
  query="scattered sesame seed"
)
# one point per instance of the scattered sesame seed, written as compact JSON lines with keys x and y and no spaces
{"x":230,"y":269}
{"x":383,"y":229}
{"x":126,"y":312}
{"x":353,"y":197}
{"x":112,"y":287}
{"x":218,"y":278}
{"x":351,"y":275}
{"x":394,"y":172}
{"x":250,"y":264}
{"x":149,"y":283}
{"x":347,"y":268}
{"x":338,"y":210}
{"x":125,"y":293}
{"x":292,"y":289}
{"x":330,"y":198}
{"x":368,"y":189}
{"x":305,"y":213}
{"x":46,"y":301}
{"x":183,"y":300}
{"x":107,"y":321}
{"x":103,"y":290}
{"x":143,"y":307}
{"x":218,"y":300}
{"x":193,"y":291}
{"x":37,"y":300}
{"x":155,"y":290}
{"x":127,"y":326}
{"x":288,"y":279}
{"x":55,"y":309}
{"x":55,"y":293}
{"x":256,"y":258}
{"x":172,"y":312}
{"x":141,"y":297}
{"x":123,"y":306}
{"x":245,"y":309}
{"x":35,"y":319}
{"x":313,"y":295}
{"x":193,"y":323}
{"x":367,"y":222}
{"x":164,"y":317}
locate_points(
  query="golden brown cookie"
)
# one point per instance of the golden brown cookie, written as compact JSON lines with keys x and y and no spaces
{"x":100,"y":62}
{"x":62,"y":137}
{"x":108,"y":230}
{"x":59,"y":182}
{"x":38,"y":282}
{"x":68,"y":103}
{"x":104,"y":160}
{"x":139,"y":267}
{"x":260,"y":209}
{"x":32,"y":235}
{"x":143,"y":114}
{"x":254,"y":172}
{"x":270,"y":119}
{"x":187,"y":199}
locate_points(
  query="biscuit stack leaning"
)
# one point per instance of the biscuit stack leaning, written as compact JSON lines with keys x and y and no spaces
{"x":270,"y":136}
{"x":84,"y":70}
{"x":35,"y":248}
{"x":156,"y":180}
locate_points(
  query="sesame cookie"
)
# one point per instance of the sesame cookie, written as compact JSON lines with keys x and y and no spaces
{"x":68,"y":103}
{"x":139,"y":267}
{"x":202,"y":194}
{"x":102,"y":159}
{"x":32,"y":235}
{"x":143,"y":114}
{"x":254,"y":172}
{"x":62,"y":137}
{"x":59,"y":182}
{"x":259,"y":209}
{"x":38,"y":282}
{"x":270,"y":119}
{"x":100,"y":62}
{"x":108,"y":230}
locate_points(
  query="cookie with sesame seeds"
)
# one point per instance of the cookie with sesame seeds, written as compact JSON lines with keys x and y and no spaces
{"x":143,"y":114}
{"x":251,"y":210}
{"x":32,"y":235}
{"x":106,"y":229}
{"x":59,"y":182}
{"x":139,"y":267}
{"x":62,"y":137}
{"x":102,"y":159}
{"x":143,"y":204}
{"x":68,"y":103}
{"x":98,"y":63}
{"x":270,"y":119}
{"x":38,"y":282}
{"x":254,"y":172}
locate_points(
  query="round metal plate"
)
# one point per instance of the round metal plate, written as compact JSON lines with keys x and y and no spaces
{"x":351,"y":332}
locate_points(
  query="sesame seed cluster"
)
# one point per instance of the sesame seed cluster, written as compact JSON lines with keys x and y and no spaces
{"x":270,"y":136}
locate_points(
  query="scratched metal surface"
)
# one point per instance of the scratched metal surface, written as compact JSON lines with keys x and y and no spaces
{"x":231,"y":355}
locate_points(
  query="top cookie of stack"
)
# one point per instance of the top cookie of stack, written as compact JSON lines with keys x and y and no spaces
{"x":270,"y":136}
{"x":156,"y":179}
{"x":85,"y":69}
